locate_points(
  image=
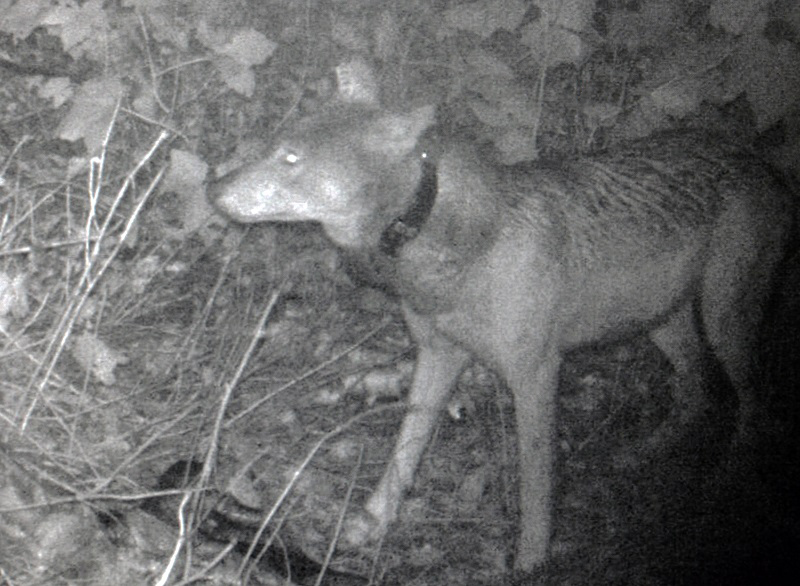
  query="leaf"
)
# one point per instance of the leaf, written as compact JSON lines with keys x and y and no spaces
{"x":91,"y":112}
{"x":679,"y":98}
{"x":485,"y":63}
{"x":237,"y":56}
{"x":20,"y":18}
{"x":142,"y":274}
{"x":13,"y":296}
{"x":57,"y":89}
{"x":242,"y":487}
{"x":345,"y":31}
{"x":96,"y":357}
{"x":145,"y":102}
{"x":683,"y":76}
{"x":185,"y":170}
{"x":735,"y":16}
{"x":554,"y":36}
{"x":558,"y":46}
{"x":601,"y":114}
{"x":248,"y":47}
{"x":502,"y":103}
{"x":240,"y":78}
{"x":485,"y":16}
{"x":185,"y":176}
{"x":770,"y":75}
{"x":78,"y":26}
{"x":165,"y":23}
{"x":649,"y":26}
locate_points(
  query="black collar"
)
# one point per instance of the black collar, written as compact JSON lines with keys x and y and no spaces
{"x":408,"y":226}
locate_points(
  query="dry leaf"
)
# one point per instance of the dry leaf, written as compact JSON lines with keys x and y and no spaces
{"x":91,"y":112}
{"x":13,"y":296}
{"x":95,"y":356}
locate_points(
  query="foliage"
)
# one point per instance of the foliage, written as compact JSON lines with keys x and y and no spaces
{"x":113,"y":112}
{"x":533,"y":75}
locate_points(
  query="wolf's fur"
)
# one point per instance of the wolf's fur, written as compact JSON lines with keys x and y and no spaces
{"x":515,"y":265}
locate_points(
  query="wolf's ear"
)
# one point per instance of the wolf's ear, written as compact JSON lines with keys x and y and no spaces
{"x":356,"y":83}
{"x":396,"y":135}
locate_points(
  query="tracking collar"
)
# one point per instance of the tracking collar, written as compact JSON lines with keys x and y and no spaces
{"x":408,"y":226}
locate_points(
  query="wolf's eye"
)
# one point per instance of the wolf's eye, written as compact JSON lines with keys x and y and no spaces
{"x":291,"y":158}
